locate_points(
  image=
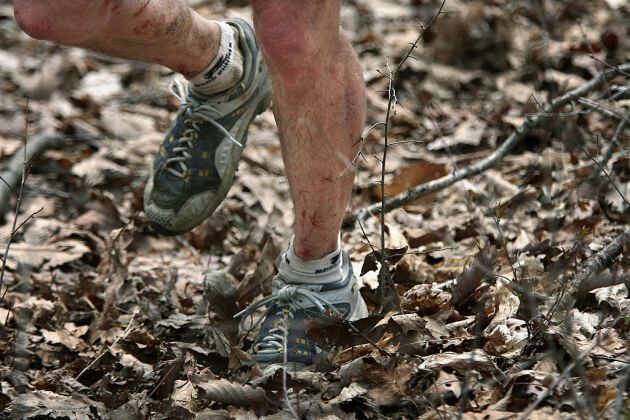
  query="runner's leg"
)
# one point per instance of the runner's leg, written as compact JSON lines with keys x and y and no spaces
{"x":165,"y":32}
{"x":319,"y":103}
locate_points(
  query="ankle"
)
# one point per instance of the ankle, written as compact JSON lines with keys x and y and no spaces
{"x":225,"y":70}
{"x":326,"y":268}
{"x":305,"y":249}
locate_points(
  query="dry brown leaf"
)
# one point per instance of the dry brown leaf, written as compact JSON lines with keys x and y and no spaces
{"x":71,"y":342}
{"x":417,"y":173}
{"x":446,"y":389}
{"x":468,"y":133}
{"x":475,"y":360}
{"x":97,"y":170}
{"x":37,"y":404}
{"x":48,"y":256}
{"x":184,"y":394}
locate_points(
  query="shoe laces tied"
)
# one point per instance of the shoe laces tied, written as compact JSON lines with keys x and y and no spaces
{"x":286,"y":298}
{"x":194,"y":112}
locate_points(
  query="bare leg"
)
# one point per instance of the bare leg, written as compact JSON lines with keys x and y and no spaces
{"x":319,"y":104}
{"x":165,"y":32}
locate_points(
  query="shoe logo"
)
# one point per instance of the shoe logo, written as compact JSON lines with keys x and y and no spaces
{"x":218,"y":69}
{"x":214,"y":68}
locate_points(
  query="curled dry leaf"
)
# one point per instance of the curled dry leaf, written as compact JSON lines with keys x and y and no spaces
{"x":98,"y":170}
{"x":68,"y":340}
{"x":462,"y":362}
{"x":221,"y":294}
{"x":184,"y":394}
{"x":48,"y":256}
{"x":223,"y":391}
{"x":615,"y":296}
{"x":468,"y":133}
{"x":329,"y":332}
{"x":41,"y":403}
{"x":426,"y":299}
{"x":507,"y":339}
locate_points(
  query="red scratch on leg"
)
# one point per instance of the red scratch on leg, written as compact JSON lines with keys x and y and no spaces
{"x":143,"y":29}
{"x":141,"y":9}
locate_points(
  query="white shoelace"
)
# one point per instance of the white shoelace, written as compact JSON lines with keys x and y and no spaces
{"x":274,"y":341}
{"x":194,"y":113}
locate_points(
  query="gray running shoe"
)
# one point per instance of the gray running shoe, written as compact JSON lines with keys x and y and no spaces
{"x":291,"y":305}
{"x":196,"y":163}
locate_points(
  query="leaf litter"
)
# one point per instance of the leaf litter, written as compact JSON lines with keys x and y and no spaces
{"x":104,"y":319}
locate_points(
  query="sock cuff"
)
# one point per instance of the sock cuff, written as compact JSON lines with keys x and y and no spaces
{"x":226,"y":68}
{"x":323,"y":265}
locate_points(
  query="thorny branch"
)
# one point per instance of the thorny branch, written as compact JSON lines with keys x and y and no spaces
{"x":530,"y":123}
{"x":389,"y":298}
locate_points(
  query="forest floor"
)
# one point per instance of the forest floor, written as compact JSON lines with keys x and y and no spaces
{"x":102,"y":318}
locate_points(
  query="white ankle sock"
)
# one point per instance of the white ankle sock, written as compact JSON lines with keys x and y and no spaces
{"x":294,"y":269}
{"x":226,"y":70}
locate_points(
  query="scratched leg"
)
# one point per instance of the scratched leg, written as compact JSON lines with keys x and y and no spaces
{"x":165,"y":32}
{"x":319,"y":103}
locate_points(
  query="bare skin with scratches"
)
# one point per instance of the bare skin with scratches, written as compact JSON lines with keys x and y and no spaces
{"x":319,"y":99}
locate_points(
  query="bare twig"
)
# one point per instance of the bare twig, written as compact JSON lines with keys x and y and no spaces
{"x":284,"y":372}
{"x":493,"y":159}
{"x":106,"y":350}
{"x":529,"y":410}
{"x":594,"y":264}
{"x":614,"y":142}
{"x":386,"y":286}
{"x":612,"y":182}
{"x":18,"y":171}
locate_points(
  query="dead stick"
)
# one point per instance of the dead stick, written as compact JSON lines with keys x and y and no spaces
{"x":530,"y":409}
{"x":592,"y":265}
{"x":528,"y":125}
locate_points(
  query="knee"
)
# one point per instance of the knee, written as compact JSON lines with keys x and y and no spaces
{"x":291,"y":35}
{"x":69,"y":22}
{"x":33,"y":18}
{"x":286,"y":44}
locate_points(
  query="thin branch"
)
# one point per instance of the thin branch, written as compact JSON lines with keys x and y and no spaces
{"x":493,"y":159}
{"x":365,"y":236}
{"x":28,"y":219}
{"x":385,"y":282}
{"x":107,"y":349}
{"x":20,"y":172}
{"x":601,"y":108}
{"x":593,"y":265}
{"x":614,"y":141}
{"x":623,"y":197}
{"x":284,"y":371}
{"x":525,"y":414}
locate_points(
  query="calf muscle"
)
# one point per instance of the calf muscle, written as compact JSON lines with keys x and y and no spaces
{"x":165,"y":32}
